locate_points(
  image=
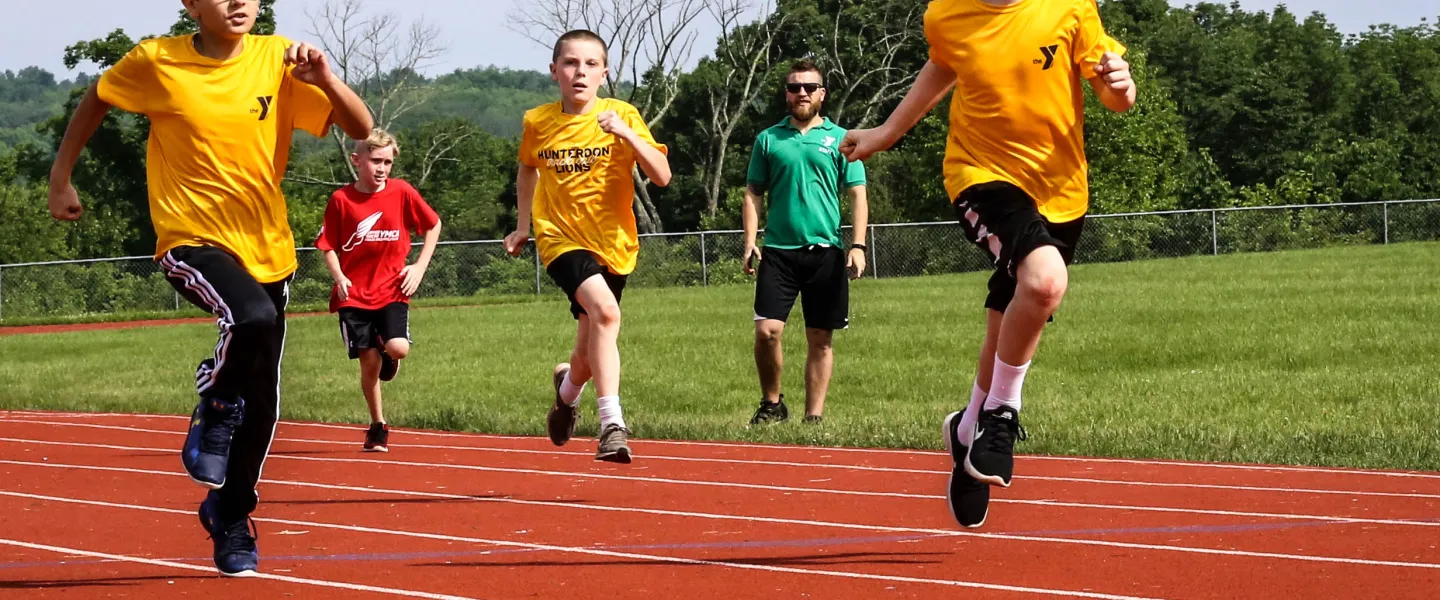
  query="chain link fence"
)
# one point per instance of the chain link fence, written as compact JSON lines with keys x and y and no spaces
{"x":481,"y":268}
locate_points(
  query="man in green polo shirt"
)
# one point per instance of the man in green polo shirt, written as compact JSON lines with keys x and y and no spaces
{"x":798,"y":162}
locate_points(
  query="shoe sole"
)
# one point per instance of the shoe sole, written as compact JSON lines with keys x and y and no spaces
{"x":205,"y":484}
{"x":994,"y":480}
{"x":621,"y":456}
{"x":240,"y":574}
{"x":376,"y":449}
{"x":949,"y":426}
{"x":185,"y":451}
{"x":556,"y":379}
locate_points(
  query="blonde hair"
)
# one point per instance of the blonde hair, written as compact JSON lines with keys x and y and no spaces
{"x":379,"y":138}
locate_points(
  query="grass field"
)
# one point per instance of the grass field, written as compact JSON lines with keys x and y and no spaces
{"x":1310,"y":357}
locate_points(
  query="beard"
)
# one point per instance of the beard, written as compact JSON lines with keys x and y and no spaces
{"x":804,"y":112}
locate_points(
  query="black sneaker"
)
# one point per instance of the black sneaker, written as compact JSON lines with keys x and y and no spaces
{"x":560,"y":423}
{"x":236,"y":554}
{"x":377,"y":438}
{"x":614,"y":445}
{"x":969,"y":499}
{"x":992,"y":453}
{"x":206,"y":453}
{"x":813,"y":419}
{"x":771,"y":412}
{"x":389,"y":367}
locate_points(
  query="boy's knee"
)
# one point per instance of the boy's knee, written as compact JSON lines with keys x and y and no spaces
{"x":1043,"y":278}
{"x":606,"y":314}
{"x":397,"y":348}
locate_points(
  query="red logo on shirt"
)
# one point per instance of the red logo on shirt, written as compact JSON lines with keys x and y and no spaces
{"x":364,"y":233}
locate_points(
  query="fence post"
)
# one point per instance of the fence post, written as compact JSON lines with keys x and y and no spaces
{"x":874,"y":262}
{"x":177,"y":300}
{"x":1386,"y":208}
{"x":1214,"y":234}
{"x":537,"y":270}
{"x":704,"y":264}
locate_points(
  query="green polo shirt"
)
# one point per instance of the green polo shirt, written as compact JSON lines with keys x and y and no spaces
{"x":803,"y":173}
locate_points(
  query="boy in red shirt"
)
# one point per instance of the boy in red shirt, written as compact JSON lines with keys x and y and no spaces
{"x":366,"y":238}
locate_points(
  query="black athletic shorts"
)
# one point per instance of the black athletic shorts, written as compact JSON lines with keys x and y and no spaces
{"x":361,"y":328}
{"x":572,"y":268}
{"x":1005,"y":223}
{"x":816,"y":272}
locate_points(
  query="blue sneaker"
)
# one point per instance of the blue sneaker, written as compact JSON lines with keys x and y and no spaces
{"x":236,"y":554}
{"x":207,"y":445}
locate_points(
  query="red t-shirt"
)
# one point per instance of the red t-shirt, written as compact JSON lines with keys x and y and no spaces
{"x":371,"y":235}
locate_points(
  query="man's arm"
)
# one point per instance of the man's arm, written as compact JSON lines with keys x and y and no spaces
{"x":64,"y":201}
{"x":750,"y":216}
{"x":860,"y":226}
{"x":933,"y":82}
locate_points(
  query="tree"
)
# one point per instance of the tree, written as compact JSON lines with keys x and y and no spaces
{"x":381,"y":59}
{"x":734,"y":82}
{"x":870,"y":51}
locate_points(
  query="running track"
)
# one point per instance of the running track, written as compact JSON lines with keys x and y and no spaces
{"x":97,"y":505}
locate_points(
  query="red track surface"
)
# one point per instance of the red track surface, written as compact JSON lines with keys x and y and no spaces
{"x":94,"y":505}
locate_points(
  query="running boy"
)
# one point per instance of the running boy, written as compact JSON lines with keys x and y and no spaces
{"x":576,"y":158}
{"x":1015,"y":168}
{"x":366,"y":239}
{"x":223,"y":106}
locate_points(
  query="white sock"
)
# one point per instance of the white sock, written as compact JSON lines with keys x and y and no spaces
{"x":569,"y":392}
{"x":966,"y":428}
{"x":1005,"y":387}
{"x":610,"y":411}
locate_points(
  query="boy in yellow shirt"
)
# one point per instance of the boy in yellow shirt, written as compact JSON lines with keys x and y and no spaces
{"x":223,"y":105}
{"x":1015,"y":169}
{"x":575,"y":186}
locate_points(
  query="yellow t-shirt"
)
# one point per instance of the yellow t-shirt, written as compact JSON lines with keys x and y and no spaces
{"x":585,"y":197}
{"x":1018,"y":110}
{"x":219,"y":144}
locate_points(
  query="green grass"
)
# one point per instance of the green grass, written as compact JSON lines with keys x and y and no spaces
{"x":1309,"y":357}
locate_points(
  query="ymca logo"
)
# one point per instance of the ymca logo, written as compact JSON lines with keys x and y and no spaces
{"x":1049,"y":53}
{"x":365,"y":232}
{"x":264,"y":109}
{"x":827,"y":143}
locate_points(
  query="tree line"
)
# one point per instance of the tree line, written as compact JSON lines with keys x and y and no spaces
{"x":1236,"y":108}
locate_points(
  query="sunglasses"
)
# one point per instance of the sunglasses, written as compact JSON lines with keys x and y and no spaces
{"x":795,"y":88}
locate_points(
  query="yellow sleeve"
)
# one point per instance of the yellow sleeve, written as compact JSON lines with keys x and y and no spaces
{"x":529,"y":144}
{"x":636,"y":123}
{"x":1090,"y":41}
{"x":311,"y":106}
{"x":131,"y":85}
{"x":935,"y":43}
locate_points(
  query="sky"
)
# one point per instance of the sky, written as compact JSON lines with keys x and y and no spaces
{"x":474,"y":31}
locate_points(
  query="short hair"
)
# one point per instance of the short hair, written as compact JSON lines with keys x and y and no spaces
{"x":805,"y":65}
{"x":580,"y":35}
{"x":379,"y":138}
